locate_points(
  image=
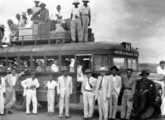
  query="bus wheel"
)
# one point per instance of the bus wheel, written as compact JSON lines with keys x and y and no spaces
{"x":20,"y":103}
{"x":148,"y":113}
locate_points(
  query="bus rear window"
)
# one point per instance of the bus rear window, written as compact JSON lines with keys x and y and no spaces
{"x":119,"y":62}
{"x":132,"y":63}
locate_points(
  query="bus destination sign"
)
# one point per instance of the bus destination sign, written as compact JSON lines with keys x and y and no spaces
{"x":126,"y":53}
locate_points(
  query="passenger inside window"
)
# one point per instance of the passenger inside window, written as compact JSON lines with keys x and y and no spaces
{"x":40,"y":67}
{"x":49,"y":64}
{"x":54,"y":66}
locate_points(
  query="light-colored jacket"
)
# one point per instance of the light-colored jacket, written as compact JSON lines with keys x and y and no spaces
{"x":104,"y":86}
{"x":27,"y":83}
{"x":64,"y":86}
{"x":114,"y":85}
{"x":92,"y":80}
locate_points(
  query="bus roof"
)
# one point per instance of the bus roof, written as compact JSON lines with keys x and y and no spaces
{"x":65,"y":49}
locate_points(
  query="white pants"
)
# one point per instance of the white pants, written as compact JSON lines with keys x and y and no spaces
{"x":103,"y":106}
{"x":88,"y":99}
{"x":85,"y":20}
{"x":76,"y":29}
{"x":50,"y":99}
{"x":31,"y":97}
{"x":64,"y":102}
{"x":113,"y":100}
{"x":162,"y":107}
{"x":2,"y":101}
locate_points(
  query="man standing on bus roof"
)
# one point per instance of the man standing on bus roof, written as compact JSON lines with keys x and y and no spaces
{"x":88,"y":91}
{"x":161,"y":68}
{"x":114,"y":87}
{"x":11,"y":82}
{"x":30,"y":85}
{"x":76,"y":22}
{"x":86,"y":19}
{"x":128,"y":92}
{"x":101,"y":94}
{"x":35,"y":9}
{"x":64,"y":89}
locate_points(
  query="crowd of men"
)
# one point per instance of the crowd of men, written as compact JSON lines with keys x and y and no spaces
{"x":137,"y":97}
{"x":79,"y":21}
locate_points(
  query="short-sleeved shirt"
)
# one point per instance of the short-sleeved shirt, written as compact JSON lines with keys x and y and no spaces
{"x":85,"y":10}
{"x":75,"y":12}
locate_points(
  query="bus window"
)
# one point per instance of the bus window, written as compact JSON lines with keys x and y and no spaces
{"x":24,"y":63}
{"x":100,"y":61}
{"x":132,"y":63}
{"x":119,"y":62}
{"x":68,"y":61}
{"x":38,"y":63}
{"x":2,"y":64}
{"x":83,"y":63}
{"x":52,"y":64}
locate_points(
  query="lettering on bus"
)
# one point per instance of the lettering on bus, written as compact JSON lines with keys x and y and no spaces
{"x":126,"y":53}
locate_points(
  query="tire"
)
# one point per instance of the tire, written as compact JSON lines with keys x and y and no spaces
{"x":20,"y":103}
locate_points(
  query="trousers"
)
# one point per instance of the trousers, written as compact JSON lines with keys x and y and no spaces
{"x":88,"y":100}
{"x":85,"y":20}
{"x":113,"y":100}
{"x":126,"y":105}
{"x":76,"y":29}
{"x":2,"y":101}
{"x":50,"y":99}
{"x":103,"y":106}
{"x":31,"y":97}
{"x":64,"y":102}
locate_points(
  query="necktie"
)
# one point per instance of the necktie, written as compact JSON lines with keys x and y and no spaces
{"x":100,"y":83}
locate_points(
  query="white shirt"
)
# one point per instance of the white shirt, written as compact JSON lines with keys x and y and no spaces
{"x":35,"y":9}
{"x":29,"y":21}
{"x":14,"y":80}
{"x":54,"y":68}
{"x":2,"y":85}
{"x":54,"y":16}
{"x":91,"y":81}
{"x":159,"y":70}
{"x":51,"y":85}
{"x":75,"y":12}
{"x":85,"y":10}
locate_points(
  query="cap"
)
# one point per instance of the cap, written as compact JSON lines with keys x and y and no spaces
{"x":103,"y":69}
{"x":114,"y":68}
{"x":85,"y":0}
{"x":76,"y":2}
{"x":144,"y":72}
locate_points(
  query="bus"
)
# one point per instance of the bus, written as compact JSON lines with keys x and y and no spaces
{"x":91,"y":55}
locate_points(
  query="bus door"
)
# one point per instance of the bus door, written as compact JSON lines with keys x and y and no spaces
{"x":83,"y":62}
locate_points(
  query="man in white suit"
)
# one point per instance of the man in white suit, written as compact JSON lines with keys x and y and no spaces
{"x":64,"y":89}
{"x":101,"y":94}
{"x":88,"y":89}
{"x":11,"y":82}
{"x":114,"y":87}
{"x":30,"y":85}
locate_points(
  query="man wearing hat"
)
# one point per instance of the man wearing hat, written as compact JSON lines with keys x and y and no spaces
{"x":101,"y":94}
{"x":114,"y":87}
{"x":88,"y":91}
{"x":35,"y":9}
{"x":30,"y":85}
{"x":11,"y":82}
{"x":86,"y":19}
{"x":2,"y":33}
{"x":76,"y":22}
{"x":144,"y":97}
{"x":64,"y":89}
{"x":128,"y":92}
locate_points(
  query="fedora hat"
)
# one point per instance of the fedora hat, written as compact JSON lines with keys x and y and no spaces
{"x":144,"y":72}
{"x":114,"y":68}
{"x":2,"y":26}
{"x":36,"y":1}
{"x":88,"y":71}
{"x":42,"y":4}
{"x":85,"y":0}
{"x":76,"y":2}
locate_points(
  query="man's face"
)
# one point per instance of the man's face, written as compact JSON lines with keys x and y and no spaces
{"x":42,"y":7}
{"x":102,"y":73}
{"x":162,"y":65}
{"x":85,"y":3}
{"x":144,"y":77}
{"x":129,"y":73}
{"x":89,"y":75}
{"x":13,"y":72}
{"x":58,"y":8}
{"x":18,"y":17}
{"x":36,"y":4}
{"x":114,"y":72}
{"x":76,"y":5}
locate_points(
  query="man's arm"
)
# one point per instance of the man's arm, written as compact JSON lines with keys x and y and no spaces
{"x":58,"y":86}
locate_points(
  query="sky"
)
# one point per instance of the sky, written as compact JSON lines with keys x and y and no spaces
{"x":140,"y":22}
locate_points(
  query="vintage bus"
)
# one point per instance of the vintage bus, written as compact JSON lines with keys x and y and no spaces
{"x":91,"y":55}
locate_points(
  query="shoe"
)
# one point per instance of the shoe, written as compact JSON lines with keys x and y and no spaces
{"x":67,"y":117}
{"x":60,"y":116}
{"x":9,"y":112}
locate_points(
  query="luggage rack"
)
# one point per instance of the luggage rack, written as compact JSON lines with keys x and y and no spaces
{"x":55,"y":38}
